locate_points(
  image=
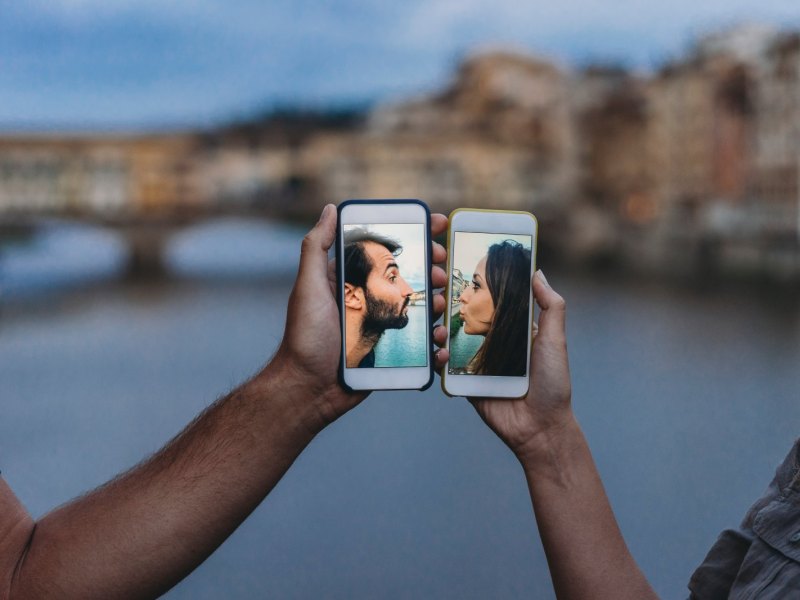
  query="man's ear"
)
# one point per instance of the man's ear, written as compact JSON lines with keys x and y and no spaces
{"x":354,"y":297}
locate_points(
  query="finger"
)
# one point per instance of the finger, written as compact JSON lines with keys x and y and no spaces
{"x":438,"y":224}
{"x":440,"y":335}
{"x":552,"y":316}
{"x":332,"y":276}
{"x":438,"y":306}
{"x":440,"y":358}
{"x":316,"y":243}
{"x":438,"y":253}
{"x":438,"y":277}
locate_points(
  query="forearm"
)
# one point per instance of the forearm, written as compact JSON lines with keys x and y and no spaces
{"x":585,"y":550}
{"x":141,"y":533}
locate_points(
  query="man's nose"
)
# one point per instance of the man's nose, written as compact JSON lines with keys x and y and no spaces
{"x":405,"y":289}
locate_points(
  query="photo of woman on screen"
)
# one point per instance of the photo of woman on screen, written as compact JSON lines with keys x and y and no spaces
{"x":495,"y":305}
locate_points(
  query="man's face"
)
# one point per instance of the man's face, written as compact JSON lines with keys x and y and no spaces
{"x":387,"y":294}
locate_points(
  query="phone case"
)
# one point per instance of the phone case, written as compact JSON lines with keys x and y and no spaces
{"x":340,"y":283}
{"x":448,"y":288}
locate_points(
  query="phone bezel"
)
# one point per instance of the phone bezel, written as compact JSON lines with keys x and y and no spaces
{"x":487,"y":221}
{"x":375,"y":211}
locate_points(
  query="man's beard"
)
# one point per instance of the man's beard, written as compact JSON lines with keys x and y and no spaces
{"x":382,"y":315}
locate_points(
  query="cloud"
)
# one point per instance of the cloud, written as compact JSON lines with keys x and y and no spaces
{"x":134,"y":61}
{"x":570,"y":27}
{"x":95,"y":9}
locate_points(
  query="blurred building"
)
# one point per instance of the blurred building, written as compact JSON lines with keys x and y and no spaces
{"x":702,"y":122}
{"x":95,"y":175}
{"x":500,"y":135}
{"x":776,"y":163}
{"x":695,"y":164}
{"x":275,"y":164}
{"x":615,"y":164}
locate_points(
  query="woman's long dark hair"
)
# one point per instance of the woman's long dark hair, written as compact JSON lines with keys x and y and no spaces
{"x":504,"y":352}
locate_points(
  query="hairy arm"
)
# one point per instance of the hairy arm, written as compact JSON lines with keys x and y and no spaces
{"x":138,"y":535}
{"x":586,"y":553}
{"x":141,"y":533}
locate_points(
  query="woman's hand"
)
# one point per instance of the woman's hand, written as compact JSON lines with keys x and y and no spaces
{"x":528,"y":424}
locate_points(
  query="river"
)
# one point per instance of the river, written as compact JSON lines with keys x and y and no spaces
{"x":689,"y":400}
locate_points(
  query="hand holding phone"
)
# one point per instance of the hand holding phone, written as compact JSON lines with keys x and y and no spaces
{"x":529,"y":423}
{"x":309,"y":351}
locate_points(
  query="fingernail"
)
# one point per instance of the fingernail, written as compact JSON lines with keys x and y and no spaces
{"x":324,"y":212}
{"x":543,"y":278}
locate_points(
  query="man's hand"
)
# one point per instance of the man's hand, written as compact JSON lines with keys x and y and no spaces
{"x":312,"y":342}
{"x":141,"y":533}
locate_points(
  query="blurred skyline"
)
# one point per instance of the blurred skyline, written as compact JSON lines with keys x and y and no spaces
{"x":72,"y":64}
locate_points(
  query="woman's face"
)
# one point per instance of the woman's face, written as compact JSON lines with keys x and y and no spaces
{"x":477,"y":307}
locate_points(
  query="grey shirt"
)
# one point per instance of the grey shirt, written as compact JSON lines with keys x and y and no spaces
{"x":761,"y":559}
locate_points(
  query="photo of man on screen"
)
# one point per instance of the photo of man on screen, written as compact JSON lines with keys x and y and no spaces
{"x":376,"y":297}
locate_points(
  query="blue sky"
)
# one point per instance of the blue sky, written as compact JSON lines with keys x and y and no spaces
{"x":153,"y":63}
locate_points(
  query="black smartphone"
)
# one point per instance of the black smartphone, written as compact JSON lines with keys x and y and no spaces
{"x":383,"y":269}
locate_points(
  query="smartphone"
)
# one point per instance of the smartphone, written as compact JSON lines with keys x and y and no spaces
{"x":383,"y":272}
{"x":491,"y":257}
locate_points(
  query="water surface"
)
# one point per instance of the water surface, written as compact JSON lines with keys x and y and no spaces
{"x":689,"y":401}
{"x":404,"y":347}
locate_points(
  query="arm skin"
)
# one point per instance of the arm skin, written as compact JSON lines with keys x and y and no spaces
{"x":140,"y":534}
{"x":587,"y":556}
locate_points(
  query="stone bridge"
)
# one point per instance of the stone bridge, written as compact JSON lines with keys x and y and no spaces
{"x":146,"y":234}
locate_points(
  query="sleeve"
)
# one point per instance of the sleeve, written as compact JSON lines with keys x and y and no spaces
{"x":717,"y":574}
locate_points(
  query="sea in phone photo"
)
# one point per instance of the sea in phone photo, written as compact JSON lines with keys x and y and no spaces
{"x":462,"y":345}
{"x":404,"y":347}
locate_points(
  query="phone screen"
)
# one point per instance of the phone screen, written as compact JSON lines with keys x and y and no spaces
{"x":385,"y":300}
{"x":489,"y":314}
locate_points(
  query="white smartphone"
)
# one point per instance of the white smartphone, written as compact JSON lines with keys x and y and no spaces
{"x":491,"y":259}
{"x":383,"y":268}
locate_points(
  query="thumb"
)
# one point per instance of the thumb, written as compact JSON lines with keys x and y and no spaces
{"x":316,"y":243}
{"x":552,"y":316}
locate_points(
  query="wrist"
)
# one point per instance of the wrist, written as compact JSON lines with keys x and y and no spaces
{"x":293,"y":393}
{"x":550,"y":446}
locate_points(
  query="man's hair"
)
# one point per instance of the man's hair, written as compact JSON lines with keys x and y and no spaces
{"x":357,"y":264}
